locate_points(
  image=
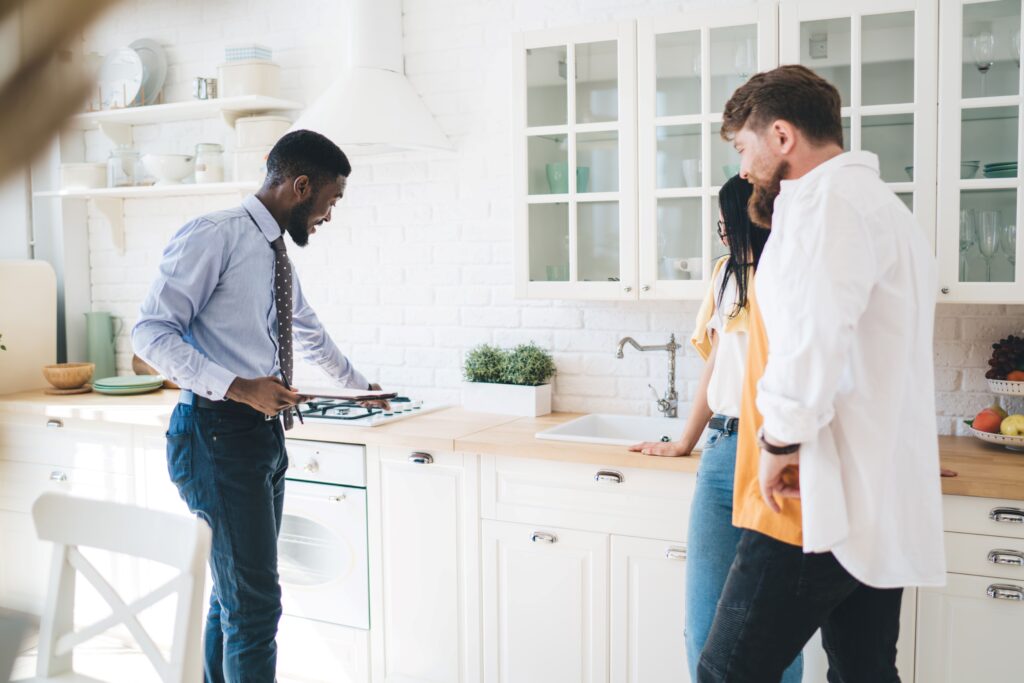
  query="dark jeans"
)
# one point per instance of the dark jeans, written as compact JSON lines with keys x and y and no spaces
{"x":229,"y":468}
{"x":774,"y":600}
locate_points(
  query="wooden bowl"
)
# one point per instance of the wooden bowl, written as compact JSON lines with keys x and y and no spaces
{"x":68,"y":375}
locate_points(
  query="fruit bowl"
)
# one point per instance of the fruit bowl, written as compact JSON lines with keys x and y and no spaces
{"x":68,"y":375}
{"x":1014,"y":443}
{"x":1005,"y":387}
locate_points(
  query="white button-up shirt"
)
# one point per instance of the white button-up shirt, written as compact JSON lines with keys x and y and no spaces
{"x":846,"y":287}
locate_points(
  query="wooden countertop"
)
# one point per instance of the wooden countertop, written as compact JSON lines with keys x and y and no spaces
{"x":984,"y":470}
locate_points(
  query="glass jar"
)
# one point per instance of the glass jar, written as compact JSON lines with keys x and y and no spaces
{"x":209,"y":163}
{"x":123,"y":167}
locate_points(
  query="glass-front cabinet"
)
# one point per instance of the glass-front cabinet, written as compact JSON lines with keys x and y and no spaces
{"x":575,"y":163}
{"x":688,"y":66}
{"x":979,"y":148}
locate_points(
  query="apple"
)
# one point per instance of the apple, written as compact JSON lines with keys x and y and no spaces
{"x":1013,"y":426}
{"x":987,"y":421}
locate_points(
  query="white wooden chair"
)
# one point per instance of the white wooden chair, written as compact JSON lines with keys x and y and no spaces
{"x":179,"y":542}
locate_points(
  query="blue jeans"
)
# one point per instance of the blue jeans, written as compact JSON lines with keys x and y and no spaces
{"x":712,"y":546}
{"x":229,"y":468}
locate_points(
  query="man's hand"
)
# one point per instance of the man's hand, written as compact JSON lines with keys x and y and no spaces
{"x":266,"y":394}
{"x":668,"y":449}
{"x":779,"y":475}
{"x":383,"y":405}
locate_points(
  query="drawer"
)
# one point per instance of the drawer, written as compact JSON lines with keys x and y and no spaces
{"x":624,"y":501}
{"x":66,"y":443}
{"x":21,"y":483}
{"x":327,"y":463}
{"x":985,"y":556}
{"x":988,"y":516}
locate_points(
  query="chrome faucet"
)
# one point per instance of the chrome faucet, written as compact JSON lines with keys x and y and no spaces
{"x":668,"y":405}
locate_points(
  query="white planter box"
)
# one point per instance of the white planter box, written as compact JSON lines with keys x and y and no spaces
{"x":506,"y":399}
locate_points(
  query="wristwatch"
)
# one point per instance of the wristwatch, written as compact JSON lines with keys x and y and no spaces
{"x":788,"y":449}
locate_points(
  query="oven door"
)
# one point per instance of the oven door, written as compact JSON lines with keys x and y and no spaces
{"x":322,"y":554}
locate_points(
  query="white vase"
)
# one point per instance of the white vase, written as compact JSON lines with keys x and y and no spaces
{"x":506,"y":399}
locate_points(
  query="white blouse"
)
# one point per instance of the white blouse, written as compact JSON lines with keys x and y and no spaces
{"x":725,"y":388}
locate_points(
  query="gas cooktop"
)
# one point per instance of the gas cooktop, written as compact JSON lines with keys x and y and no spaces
{"x":351,"y":413}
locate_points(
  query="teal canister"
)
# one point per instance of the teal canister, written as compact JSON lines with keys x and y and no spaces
{"x":101,"y":330}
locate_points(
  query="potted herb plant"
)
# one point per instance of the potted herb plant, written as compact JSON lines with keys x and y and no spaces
{"x":509,"y":381}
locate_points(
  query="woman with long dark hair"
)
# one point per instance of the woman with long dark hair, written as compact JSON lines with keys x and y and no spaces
{"x":720,"y":337}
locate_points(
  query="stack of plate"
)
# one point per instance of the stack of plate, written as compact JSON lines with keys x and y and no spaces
{"x":128,"y":385}
{"x":1005,"y":169}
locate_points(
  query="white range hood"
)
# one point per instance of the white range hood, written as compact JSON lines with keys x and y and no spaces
{"x":372,"y":108}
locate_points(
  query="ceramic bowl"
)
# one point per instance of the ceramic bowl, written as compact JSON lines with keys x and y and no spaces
{"x":169,"y":169}
{"x":68,"y":375}
{"x":969,"y":169}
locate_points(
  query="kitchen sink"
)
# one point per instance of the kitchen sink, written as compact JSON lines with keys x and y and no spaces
{"x":615,"y":430}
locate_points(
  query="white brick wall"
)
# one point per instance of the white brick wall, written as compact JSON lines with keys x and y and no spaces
{"x":416,"y":267}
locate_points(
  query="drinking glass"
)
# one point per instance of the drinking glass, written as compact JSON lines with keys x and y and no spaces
{"x":983,"y":49}
{"x":968,"y":230}
{"x":745,"y":57}
{"x":1016,"y":46}
{"x":1008,"y":242}
{"x":988,"y":238}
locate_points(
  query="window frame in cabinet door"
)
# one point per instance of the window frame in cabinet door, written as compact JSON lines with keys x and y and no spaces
{"x":765,"y":17}
{"x":624,"y":32}
{"x":951,"y":107}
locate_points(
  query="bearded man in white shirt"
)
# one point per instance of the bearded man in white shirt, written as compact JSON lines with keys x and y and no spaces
{"x":846,"y":291}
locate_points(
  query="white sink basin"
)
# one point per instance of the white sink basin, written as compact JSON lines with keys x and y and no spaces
{"x":616,"y":430}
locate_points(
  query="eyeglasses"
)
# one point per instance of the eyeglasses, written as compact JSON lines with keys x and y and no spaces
{"x":721,"y":229}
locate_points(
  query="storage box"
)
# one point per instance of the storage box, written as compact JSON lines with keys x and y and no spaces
{"x":260,"y":131}
{"x":237,"y":53}
{"x":251,"y":164}
{"x":249,"y":77}
{"x":82,"y":176}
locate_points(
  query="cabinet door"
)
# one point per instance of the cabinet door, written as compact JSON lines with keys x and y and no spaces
{"x":880,"y":54}
{"x":979,"y":146}
{"x":545,"y":600}
{"x":574,"y":160}
{"x":647,"y":611}
{"x":688,"y":66}
{"x":430,"y":562}
{"x":970,"y":630}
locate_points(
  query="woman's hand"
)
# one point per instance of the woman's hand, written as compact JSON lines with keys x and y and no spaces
{"x":668,"y":449}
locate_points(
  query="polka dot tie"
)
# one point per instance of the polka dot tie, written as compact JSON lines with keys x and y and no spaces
{"x":283,"y":301}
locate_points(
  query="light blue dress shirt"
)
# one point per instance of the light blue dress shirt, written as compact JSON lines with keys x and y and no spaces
{"x":210,"y":316}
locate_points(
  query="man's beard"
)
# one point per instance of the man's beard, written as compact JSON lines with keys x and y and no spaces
{"x":298,"y":222}
{"x":762,"y":203}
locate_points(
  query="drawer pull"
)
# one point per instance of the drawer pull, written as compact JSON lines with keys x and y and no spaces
{"x":608,"y":477}
{"x":421,"y":458}
{"x":1005,"y":591}
{"x":1007,"y":515}
{"x":675,"y":554}
{"x":337,"y":499}
{"x":1011,"y":557}
{"x":57,"y":475}
{"x":312,"y":467}
{"x":541,"y":537}
{"x":54,"y":423}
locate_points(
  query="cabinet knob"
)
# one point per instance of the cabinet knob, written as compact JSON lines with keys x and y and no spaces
{"x":608,"y":477}
{"x":542,"y":537}
{"x":675,"y":554}
{"x":1011,"y":557}
{"x":627,"y":289}
{"x":645,"y":288}
{"x":1005,"y":591}
{"x":944,"y":290}
{"x":336,"y":499}
{"x":54,"y":423}
{"x":1007,"y":515}
{"x":421,"y":458}
{"x":312,"y":467}
{"x":57,"y":475}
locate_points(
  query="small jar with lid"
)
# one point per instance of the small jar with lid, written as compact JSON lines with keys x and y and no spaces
{"x":209,"y":163}
{"x":123,"y":167}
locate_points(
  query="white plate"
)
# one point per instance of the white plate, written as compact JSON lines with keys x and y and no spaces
{"x":154,"y":65}
{"x":1006,"y":387}
{"x":120,"y":78}
{"x":1014,"y":443}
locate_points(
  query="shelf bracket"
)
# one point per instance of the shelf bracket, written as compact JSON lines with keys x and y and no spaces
{"x":113,"y":209}
{"x":118,"y":133}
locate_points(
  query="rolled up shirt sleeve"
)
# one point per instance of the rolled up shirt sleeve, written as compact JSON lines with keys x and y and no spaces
{"x":318,"y":346}
{"x":824,"y":283}
{"x":189,"y":273}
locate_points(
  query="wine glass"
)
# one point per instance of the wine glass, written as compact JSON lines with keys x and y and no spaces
{"x":983,"y":49}
{"x":744,"y":58}
{"x":1008,"y":242}
{"x":988,"y":238}
{"x":968,"y":229}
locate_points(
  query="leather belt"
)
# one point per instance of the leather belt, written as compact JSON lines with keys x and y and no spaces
{"x":724,"y":423}
{"x":227,"y":405}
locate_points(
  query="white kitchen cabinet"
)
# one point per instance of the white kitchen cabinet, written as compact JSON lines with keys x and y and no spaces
{"x":574,"y":154}
{"x":545,"y":604}
{"x":688,"y":66}
{"x":429,"y":530}
{"x":648,"y":596}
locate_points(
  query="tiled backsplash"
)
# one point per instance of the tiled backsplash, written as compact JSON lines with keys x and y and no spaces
{"x":416,"y":266}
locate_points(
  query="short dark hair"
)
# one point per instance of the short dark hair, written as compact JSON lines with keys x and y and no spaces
{"x":304,"y":152}
{"x":792,"y":93}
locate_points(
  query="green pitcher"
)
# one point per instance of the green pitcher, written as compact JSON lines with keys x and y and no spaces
{"x":101,"y":330}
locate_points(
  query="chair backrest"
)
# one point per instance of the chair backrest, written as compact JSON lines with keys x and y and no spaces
{"x":179,"y":542}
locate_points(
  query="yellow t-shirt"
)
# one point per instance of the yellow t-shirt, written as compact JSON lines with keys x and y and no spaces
{"x":749,"y":510}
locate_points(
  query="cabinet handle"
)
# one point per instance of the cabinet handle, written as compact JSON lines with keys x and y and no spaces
{"x":57,"y":475}
{"x":945,"y":290}
{"x":675,"y":554}
{"x":645,"y":288}
{"x":1010,"y":557}
{"x":54,"y":423}
{"x":608,"y":477}
{"x":1005,"y":591}
{"x":1007,"y":515}
{"x":421,"y":458}
{"x":337,"y":499}
{"x":541,"y":537}
{"x":312,"y":467}
{"x":627,"y":290}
